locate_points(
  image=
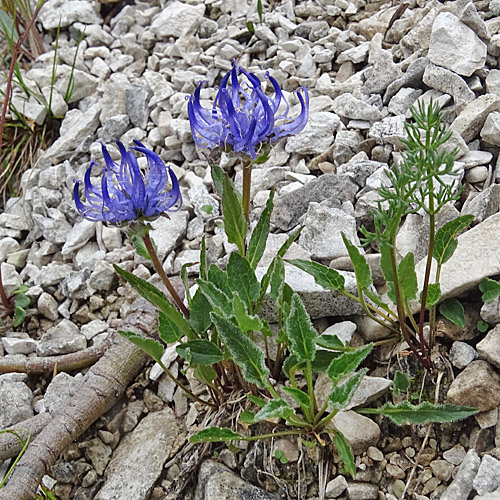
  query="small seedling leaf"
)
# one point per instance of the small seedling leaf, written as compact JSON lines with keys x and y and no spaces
{"x":490,"y":289}
{"x":400,"y":384}
{"x":482,"y":326}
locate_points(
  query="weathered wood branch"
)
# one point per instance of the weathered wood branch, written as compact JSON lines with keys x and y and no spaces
{"x":103,"y":386}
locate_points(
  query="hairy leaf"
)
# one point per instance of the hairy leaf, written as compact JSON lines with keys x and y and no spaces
{"x":453,"y":310}
{"x":347,"y":363}
{"x":215,"y":435}
{"x":217,"y":299}
{"x":445,"y":240}
{"x":244,"y":320}
{"x":244,"y":352}
{"x":235,"y":224}
{"x":323,"y":360}
{"x":361,"y":268}
{"x":277,"y":279}
{"x":199,"y":316}
{"x":200,"y":352}
{"x":258,"y":240}
{"x":205,"y":374}
{"x":345,"y":453}
{"x":423,"y":413}
{"x":490,"y":289}
{"x":276,"y":408}
{"x":300,"y":331}
{"x":149,"y":346}
{"x":241,"y":279}
{"x":247,"y":417}
{"x":331,"y":342}
{"x":140,"y":246}
{"x":324,"y":276}
{"x":300,"y":396}
{"x":400,"y":384}
{"x":342,"y":394}
{"x":219,"y":278}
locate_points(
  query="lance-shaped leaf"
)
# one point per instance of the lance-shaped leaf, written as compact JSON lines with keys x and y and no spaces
{"x":300,"y":331}
{"x":159,"y":300}
{"x":291,"y":364}
{"x":408,"y":277}
{"x":345,"y":453}
{"x":241,"y":279}
{"x":324,"y":276}
{"x":400,"y":384}
{"x":203,"y":260}
{"x":323,"y":360}
{"x":235,"y":224}
{"x":490,"y":289}
{"x":200,"y":352}
{"x":167,"y":329}
{"x":342,"y":394}
{"x":215,"y":435}
{"x":433,"y":295}
{"x":199,"y":316}
{"x":347,"y":363}
{"x":276,"y":408}
{"x":258,"y":240}
{"x":361,"y":268}
{"x":149,"y":346}
{"x":406,"y":413}
{"x":445,"y":241}
{"x":245,"y":321}
{"x":331,"y":342}
{"x":219,"y":278}
{"x":300,"y":396}
{"x":453,"y":310}
{"x":244,"y":352}
{"x":217,"y":298}
{"x":140,"y":246}
{"x":277,"y":279}
{"x":260,"y":402}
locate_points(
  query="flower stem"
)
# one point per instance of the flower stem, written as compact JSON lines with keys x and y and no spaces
{"x":247,"y":182}
{"x":159,"y":269}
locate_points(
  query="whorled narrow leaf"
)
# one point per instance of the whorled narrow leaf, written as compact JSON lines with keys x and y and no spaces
{"x":215,"y":435}
{"x":324,"y":276}
{"x":345,"y":453}
{"x":200,"y":352}
{"x":361,"y":268}
{"x":159,"y":300}
{"x":257,"y":243}
{"x":216,"y":297}
{"x":244,"y":352}
{"x":275,"y":408}
{"x":424,"y":413}
{"x":453,"y":310}
{"x":445,"y":241}
{"x":300,"y":331}
{"x":433,"y":295}
{"x":245,"y":321}
{"x":342,"y":394}
{"x":347,"y":363}
{"x":149,"y":346}
{"x":408,"y":277}
{"x":242,"y":280}
{"x":235,"y":224}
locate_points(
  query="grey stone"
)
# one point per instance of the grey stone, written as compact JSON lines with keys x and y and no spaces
{"x":274,"y":243}
{"x":138,"y":460}
{"x":346,"y":146}
{"x":136,"y":103}
{"x":493,"y":82}
{"x":98,"y":454}
{"x":471,"y":120}
{"x":289,"y":449}
{"x":475,"y":175}
{"x":60,"y":390}
{"x":167,"y":233}
{"x":389,"y":130}
{"x":113,"y":127}
{"x":205,"y":205}
{"x":15,"y":399}
{"x":103,"y":276}
{"x":30,"y":109}
{"x":359,"y":431}
{"x":335,"y":487}
{"x":491,"y":129}
{"x":477,"y":386}
{"x":455,"y":455}
{"x":362,"y":491}
{"x":63,"y":338}
{"x":47,"y":306}
{"x":52,"y":274}
{"x":489,"y":347}
{"x":475,"y":158}
{"x":290,"y":207}
{"x":322,"y":234}
{"x":455,"y":46}
{"x":111,"y":237}
{"x":263,"y":179}
{"x":403,"y":99}
{"x":187,"y":257}
{"x":75,"y":127}
{"x":448,"y":82}
{"x":356,"y":54}
{"x":161,"y":88}
{"x":490,"y":312}
{"x":348,"y":106}
{"x":317,"y":136}
{"x":81,"y":232}
{"x":60,"y":13}
{"x":318,"y":301}
{"x":177,"y":19}
{"x":7,"y":246}
{"x":113,"y":97}
{"x":217,"y":481}
{"x":461,"y":486}
{"x":462,"y":354}
{"x":77,"y":286}
{"x":483,"y":204}
{"x":24,"y":345}
{"x":412,"y":78}
{"x":488,"y":475}
{"x":96,"y":326}
{"x":361,"y":170}
{"x":11,"y":279}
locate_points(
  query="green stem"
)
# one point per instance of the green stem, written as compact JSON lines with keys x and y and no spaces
{"x":247,"y":182}
{"x":183,"y":387}
{"x":319,"y":414}
{"x":159,"y":269}
{"x":310,"y":388}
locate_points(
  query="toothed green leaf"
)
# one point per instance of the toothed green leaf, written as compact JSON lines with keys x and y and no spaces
{"x":324,"y":276}
{"x":276,"y":408}
{"x":347,"y":363}
{"x":149,"y":346}
{"x":300,"y":331}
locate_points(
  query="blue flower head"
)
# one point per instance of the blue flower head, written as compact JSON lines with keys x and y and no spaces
{"x":126,"y":193}
{"x":243,"y":116}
